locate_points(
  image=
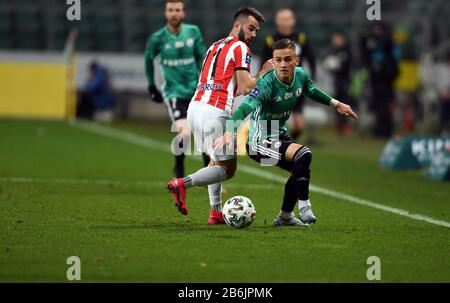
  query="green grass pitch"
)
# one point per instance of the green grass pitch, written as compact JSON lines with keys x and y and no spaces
{"x":65,"y":191}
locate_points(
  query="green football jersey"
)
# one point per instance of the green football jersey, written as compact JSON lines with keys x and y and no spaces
{"x":180,"y":61}
{"x":273,"y":101}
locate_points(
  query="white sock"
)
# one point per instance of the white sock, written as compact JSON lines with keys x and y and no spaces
{"x":285,"y":214}
{"x":303,"y":203}
{"x":206,"y":176}
{"x":215,"y":197}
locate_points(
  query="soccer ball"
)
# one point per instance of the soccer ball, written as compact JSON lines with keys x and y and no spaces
{"x":239,"y":212}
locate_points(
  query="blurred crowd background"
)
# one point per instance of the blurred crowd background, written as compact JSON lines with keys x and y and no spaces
{"x":395,"y":72}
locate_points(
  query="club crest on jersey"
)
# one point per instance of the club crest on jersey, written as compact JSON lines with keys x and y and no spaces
{"x":189,"y":42}
{"x":298,"y":92}
{"x":255,"y":92}
{"x":248,"y":59}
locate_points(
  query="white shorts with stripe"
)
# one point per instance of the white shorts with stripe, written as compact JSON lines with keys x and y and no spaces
{"x":207,"y":124}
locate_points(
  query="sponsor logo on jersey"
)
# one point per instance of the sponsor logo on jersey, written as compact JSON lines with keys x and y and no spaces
{"x":178,"y":62}
{"x":283,"y":115}
{"x":179,"y":44}
{"x":248,"y":59}
{"x":167,"y":46}
{"x":207,"y":86}
{"x":255,"y":92}
{"x":288,"y":95}
{"x":298,"y":92}
{"x":278,"y":99}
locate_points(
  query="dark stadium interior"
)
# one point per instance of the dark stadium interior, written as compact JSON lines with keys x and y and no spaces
{"x":124,"y":25}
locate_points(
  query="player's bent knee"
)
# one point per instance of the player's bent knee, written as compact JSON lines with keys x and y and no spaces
{"x":229,"y":166}
{"x":302,"y":161}
{"x":230,"y":172}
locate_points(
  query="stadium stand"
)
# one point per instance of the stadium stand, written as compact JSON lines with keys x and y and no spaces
{"x":124,"y":25}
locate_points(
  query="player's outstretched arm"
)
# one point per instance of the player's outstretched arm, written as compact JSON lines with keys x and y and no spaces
{"x":344,"y":109}
{"x":320,"y":96}
{"x":232,"y":125}
{"x":259,"y":95}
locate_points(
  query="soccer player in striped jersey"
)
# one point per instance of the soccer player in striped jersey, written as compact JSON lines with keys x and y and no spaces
{"x":225,"y":74}
{"x":270,"y":104}
{"x":181,"y":50}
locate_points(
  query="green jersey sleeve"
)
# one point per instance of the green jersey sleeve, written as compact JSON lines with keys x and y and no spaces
{"x":199,"y":49}
{"x":151,"y":51}
{"x":315,"y":93}
{"x":259,"y":95}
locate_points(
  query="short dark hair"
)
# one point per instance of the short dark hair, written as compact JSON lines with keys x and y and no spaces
{"x":281,"y":9}
{"x":245,"y":12}
{"x":284,"y":44}
{"x":175,"y":1}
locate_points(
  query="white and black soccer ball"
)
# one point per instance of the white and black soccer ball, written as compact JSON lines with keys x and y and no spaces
{"x":239,"y":212}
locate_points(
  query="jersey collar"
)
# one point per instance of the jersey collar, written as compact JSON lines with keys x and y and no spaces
{"x":172,"y":34}
{"x":281,"y":82}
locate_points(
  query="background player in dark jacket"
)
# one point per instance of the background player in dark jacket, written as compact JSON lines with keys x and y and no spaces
{"x":379,"y":54}
{"x":285,"y":28}
{"x":338,"y":62}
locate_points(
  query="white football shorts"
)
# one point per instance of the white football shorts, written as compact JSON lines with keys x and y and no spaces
{"x":207,"y":124}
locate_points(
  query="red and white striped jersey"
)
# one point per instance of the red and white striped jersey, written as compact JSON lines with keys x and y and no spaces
{"x":217,"y":84}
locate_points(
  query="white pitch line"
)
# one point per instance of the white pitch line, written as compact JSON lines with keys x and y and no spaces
{"x":163,"y":146}
{"x":116,"y":182}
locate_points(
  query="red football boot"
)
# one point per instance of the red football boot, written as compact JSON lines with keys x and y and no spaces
{"x":215,"y":217}
{"x":176,"y":187}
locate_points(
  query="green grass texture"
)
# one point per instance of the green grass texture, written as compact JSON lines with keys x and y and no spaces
{"x":66,"y":191}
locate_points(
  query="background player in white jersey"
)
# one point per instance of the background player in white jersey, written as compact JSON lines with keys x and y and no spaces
{"x":225,"y":74}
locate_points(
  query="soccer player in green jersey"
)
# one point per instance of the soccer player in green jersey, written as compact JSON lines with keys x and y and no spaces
{"x":270,"y":104}
{"x":181,"y":50}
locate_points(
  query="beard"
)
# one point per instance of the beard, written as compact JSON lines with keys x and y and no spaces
{"x":242,"y":36}
{"x":175,"y":24}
